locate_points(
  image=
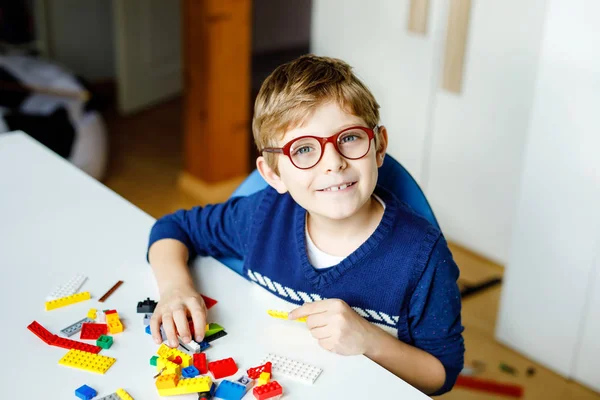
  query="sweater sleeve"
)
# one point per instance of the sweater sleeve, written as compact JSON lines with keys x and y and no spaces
{"x":217,"y":230}
{"x":434,"y":314}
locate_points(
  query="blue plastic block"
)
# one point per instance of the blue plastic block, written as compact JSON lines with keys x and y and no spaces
{"x":228,"y":390}
{"x":162,"y":332}
{"x":204,"y":345}
{"x":190,"y":372}
{"x":85,"y":392}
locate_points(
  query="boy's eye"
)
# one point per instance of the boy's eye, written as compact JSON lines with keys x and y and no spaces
{"x":303,"y":150}
{"x":349,"y":138}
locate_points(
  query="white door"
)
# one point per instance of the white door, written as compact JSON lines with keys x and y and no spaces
{"x":148,"y":52}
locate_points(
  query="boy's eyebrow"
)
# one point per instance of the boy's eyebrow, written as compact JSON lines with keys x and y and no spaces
{"x":336,"y":130}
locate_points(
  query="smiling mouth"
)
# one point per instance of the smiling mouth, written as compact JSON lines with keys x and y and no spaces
{"x":337,"y":188}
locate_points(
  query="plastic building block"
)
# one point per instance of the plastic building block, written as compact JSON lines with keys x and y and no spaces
{"x":177,"y":360}
{"x":245,"y":381}
{"x":200,"y":363}
{"x":268,"y":391}
{"x":212,"y":329}
{"x":283,"y":315}
{"x":146,"y":306}
{"x":254,"y":373}
{"x":112,"y":396}
{"x":162,"y":332}
{"x":294,"y":369}
{"x":115,"y":327}
{"x":489,"y":386}
{"x":87,"y":361}
{"x":123,"y":395}
{"x":204,"y":345}
{"x":208,"y":395}
{"x":153,"y":360}
{"x":192,"y":346}
{"x":92,"y":313}
{"x":169,"y":366}
{"x":104,"y":341}
{"x":42,"y":332}
{"x":228,"y":390}
{"x":68,"y":288}
{"x":110,"y":291}
{"x":208,"y":301}
{"x":76,"y":327}
{"x":91,"y":331}
{"x":185,"y":386}
{"x":190,"y":372}
{"x":72,"y":344}
{"x":215,"y":336}
{"x":222,"y":368}
{"x":170,"y":354}
{"x":147,"y":318}
{"x":167,"y":381}
{"x":108,"y":312}
{"x":100,"y":317}
{"x":68,"y":300}
{"x":263,"y":379}
{"x":85,"y":392}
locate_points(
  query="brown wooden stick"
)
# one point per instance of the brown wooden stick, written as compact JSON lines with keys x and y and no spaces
{"x":110,"y":291}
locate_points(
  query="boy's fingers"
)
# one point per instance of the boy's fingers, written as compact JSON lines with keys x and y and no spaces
{"x":321,"y":332}
{"x":169,"y":328}
{"x":155,"y":328}
{"x":308,"y":309}
{"x":199,"y":321}
{"x":182,"y":324}
{"x":317,"y":320}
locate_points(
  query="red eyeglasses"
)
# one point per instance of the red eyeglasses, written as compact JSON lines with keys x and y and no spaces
{"x":306,"y":151}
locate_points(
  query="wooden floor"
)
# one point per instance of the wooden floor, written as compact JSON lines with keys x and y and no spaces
{"x":146,"y":158}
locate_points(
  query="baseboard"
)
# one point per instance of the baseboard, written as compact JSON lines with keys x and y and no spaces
{"x":205,"y":192}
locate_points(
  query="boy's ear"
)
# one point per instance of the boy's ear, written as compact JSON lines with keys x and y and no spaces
{"x":269,"y":175}
{"x":382,"y":144}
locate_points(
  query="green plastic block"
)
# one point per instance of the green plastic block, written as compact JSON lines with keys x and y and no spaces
{"x":153,"y":360}
{"x":104,"y":341}
{"x":212,"y":329}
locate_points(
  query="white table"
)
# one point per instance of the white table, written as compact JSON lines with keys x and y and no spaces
{"x":55,"y":222}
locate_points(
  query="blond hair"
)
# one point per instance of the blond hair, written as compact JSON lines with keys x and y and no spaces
{"x":292,"y":92}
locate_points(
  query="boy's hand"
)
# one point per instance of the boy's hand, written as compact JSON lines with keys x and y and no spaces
{"x":172,"y":311}
{"x":336,"y":326}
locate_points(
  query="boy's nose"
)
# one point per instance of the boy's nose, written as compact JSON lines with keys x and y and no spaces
{"x":332,"y":160}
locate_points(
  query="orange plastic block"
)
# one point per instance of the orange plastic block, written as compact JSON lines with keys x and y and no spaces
{"x":167,"y":381}
{"x":115,"y":326}
{"x":68,"y":300}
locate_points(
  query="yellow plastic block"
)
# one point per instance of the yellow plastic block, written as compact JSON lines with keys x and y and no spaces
{"x":123,"y":395}
{"x":283,"y":315}
{"x":87,"y":361}
{"x":263,"y":378}
{"x":170,"y":354}
{"x":68,"y":300}
{"x":185,"y":386}
{"x":169,"y":366}
{"x":115,"y":327}
{"x":164,"y":351}
{"x":114,"y":317}
{"x":92,"y":313}
{"x":167,"y":381}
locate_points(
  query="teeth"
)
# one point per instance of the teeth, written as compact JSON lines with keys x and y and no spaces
{"x":334,"y":189}
{"x":344,"y":186}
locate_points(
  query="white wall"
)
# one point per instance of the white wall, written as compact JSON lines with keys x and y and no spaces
{"x":465,"y":150}
{"x":280,"y":24}
{"x":550,"y":306}
{"x":80,"y":36}
{"x":396,"y":65}
{"x":479,"y":136}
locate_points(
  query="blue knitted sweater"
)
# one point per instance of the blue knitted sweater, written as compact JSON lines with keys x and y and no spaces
{"x":402,"y":278}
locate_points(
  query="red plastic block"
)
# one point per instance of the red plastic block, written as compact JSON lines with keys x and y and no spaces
{"x":222,"y":368}
{"x":92,"y":331}
{"x":72,"y":344}
{"x":489,"y":386}
{"x":109,"y":312}
{"x":42,"y":333}
{"x":267,"y":391}
{"x":177,"y":360}
{"x":254,"y":373}
{"x":208,"y":301}
{"x":200,"y":362}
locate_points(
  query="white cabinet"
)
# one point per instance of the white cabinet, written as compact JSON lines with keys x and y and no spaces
{"x":550,"y":306}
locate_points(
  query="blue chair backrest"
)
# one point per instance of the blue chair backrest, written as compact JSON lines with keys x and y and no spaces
{"x":392,"y":176}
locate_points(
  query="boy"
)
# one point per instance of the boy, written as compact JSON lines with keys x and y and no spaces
{"x":358,"y":262}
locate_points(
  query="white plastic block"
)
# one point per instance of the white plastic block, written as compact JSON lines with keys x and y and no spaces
{"x":112,"y":396}
{"x":192,"y":346}
{"x":100,"y":317}
{"x":76,"y":327}
{"x":69,"y":288}
{"x":292,"y":369}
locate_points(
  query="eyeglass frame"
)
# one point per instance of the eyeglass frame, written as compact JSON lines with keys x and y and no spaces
{"x":285,"y":150}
